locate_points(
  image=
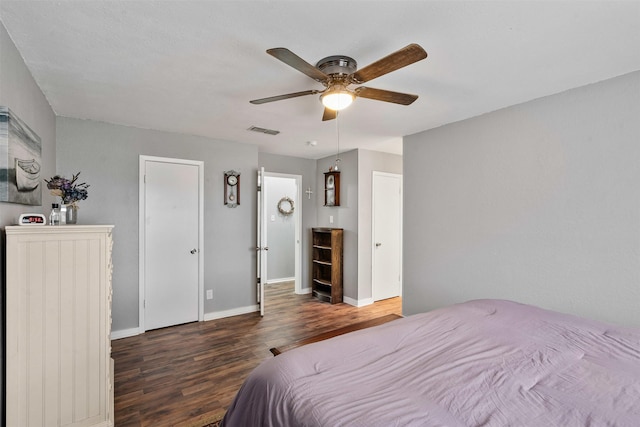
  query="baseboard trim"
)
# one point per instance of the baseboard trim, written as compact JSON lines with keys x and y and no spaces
{"x":229,"y":313}
{"x":124,"y":333}
{"x":357,"y":303}
{"x":304,"y":291}
{"x":284,"y":279}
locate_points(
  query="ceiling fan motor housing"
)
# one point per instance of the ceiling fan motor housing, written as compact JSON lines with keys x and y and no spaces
{"x":337,"y":64}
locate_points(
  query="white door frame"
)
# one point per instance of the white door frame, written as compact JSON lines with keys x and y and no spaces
{"x":373,"y":225}
{"x":261,"y":241}
{"x":297,"y":216}
{"x":142,"y":230}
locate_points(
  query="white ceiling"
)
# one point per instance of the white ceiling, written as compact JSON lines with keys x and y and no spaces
{"x":192,"y":66}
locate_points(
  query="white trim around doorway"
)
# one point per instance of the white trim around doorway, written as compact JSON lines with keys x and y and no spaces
{"x":141,"y":233}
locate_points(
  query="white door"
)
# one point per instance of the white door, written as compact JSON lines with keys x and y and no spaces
{"x":171,"y":209}
{"x":261,"y":242}
{"x":387,"y":235}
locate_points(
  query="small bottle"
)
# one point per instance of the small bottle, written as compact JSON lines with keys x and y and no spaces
{"x":54,"y":217}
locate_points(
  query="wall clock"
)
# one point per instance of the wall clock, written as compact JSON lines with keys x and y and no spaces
{"x":231,"y":188}
{"x":332,"y":188}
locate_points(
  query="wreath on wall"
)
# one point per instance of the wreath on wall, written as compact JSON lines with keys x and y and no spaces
{"x":285,"y":206}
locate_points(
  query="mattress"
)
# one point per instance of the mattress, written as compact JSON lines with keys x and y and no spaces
{"x":480,"y":363}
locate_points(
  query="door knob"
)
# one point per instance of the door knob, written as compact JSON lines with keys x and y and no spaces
{"x":378,"y":244}
{"x":193,"y":251}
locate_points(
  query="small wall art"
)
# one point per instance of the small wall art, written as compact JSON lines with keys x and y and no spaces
{"x":20,"y":161}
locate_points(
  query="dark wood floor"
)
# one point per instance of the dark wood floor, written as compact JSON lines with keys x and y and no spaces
{"x":187,"y":375}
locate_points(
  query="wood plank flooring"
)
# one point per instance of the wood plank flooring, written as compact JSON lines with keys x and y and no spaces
{"x":187,"y":375}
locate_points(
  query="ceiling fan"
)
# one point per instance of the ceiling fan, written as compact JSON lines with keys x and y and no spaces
{"x":338,"y":72}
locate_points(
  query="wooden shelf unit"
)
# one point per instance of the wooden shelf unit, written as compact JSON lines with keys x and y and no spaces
{"x":326,"y":279}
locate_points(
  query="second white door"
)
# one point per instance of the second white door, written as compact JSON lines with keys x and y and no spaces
{"x":387,"y":235}
{"x":171,"y":206}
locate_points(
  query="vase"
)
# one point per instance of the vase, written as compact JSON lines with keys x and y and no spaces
{"x":72,"y":214}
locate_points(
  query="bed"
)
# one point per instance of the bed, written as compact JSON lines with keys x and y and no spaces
{"x":480,"y":363}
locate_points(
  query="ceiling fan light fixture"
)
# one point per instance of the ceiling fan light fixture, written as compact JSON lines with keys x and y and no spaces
{"x":338,"y":98}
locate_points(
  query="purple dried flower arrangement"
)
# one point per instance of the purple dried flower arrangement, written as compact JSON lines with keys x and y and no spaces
{"x":68,"y":190}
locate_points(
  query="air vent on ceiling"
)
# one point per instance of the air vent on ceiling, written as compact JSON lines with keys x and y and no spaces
{"x":263,"y":130}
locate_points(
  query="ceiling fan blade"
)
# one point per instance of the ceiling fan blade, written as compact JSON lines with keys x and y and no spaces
{"x":385,"y":95}
{"x":398,"y":59}
{"x":329,"y":114}
{"x":287,"y":96}
{"x":293,"y":60}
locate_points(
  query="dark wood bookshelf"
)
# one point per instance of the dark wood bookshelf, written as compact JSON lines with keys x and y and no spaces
{"x":326,"y":280}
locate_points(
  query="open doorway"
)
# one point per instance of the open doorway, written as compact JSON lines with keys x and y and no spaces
{"x":282,"y":210}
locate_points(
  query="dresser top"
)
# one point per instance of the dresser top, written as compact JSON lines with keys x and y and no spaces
{"x":56,"y":229}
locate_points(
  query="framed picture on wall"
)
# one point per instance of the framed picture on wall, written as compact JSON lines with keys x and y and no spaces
{"x":20,"y":161}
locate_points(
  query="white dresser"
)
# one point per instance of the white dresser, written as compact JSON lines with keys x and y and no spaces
{"x":58,"y":295}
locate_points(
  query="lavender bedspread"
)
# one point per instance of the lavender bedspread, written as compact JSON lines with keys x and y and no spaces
{"x":481,"y":363}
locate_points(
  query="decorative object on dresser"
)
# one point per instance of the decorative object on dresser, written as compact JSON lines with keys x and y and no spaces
{"x":332,"y":188}
{"x":21,"y":152}
{"x":326,"y":279}
{"x":71,"y":193}
{"x":58,"y":326}
{"x":231,"y":188}
{"x":32,"y":219}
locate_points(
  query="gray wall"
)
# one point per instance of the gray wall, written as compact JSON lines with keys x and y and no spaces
{"x":108,"y":157}
{"x":281,"y":230}
{"x":307,"y":169}
{"x":368,"y":162}
{"x":354,"y":214}
{"x":537,"y":203}
{"x":19,"y":92}
{"x":344,"y":216}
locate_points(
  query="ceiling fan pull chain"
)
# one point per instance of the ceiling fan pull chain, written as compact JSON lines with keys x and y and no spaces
{"x":335,"y":167}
